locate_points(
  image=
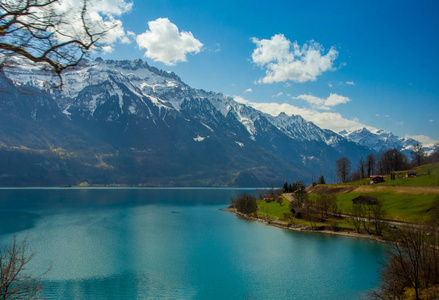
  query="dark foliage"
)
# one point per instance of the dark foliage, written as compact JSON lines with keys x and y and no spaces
{"x":296,"y":187}
{"x":245,"y":203}
{"x":391,"y":161}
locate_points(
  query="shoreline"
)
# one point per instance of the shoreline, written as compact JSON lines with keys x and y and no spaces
{"x":302,"y":228}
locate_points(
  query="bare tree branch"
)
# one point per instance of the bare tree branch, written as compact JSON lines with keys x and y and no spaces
{"x":15,"y":280}
{"x":38,"y":31}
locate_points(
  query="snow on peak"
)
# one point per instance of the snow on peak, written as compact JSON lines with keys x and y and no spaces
{"x":200,"y":138}
{"x":381,"y":140}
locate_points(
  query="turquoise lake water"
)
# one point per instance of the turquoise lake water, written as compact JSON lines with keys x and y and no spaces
{"x":177,"y":244}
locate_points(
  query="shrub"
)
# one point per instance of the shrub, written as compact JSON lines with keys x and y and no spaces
{"x":245,"y":203}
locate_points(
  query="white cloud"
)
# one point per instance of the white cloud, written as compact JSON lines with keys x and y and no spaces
{"x":324,"y":103}
{"x":107,"y":48}
{"x":328,"y":120}
{"x":431,"y":121}
{"x":248,"y":90}
{"x":218,"y":47}
{"x":288,"y":61}
{"x":111,"y":7}
{"x":100,"y":16}
{"x":425,"y":140}
{"x":335,"y":99}
{"x":165,"y":43}
{"x":278,"y":95}
{"x":347,"y":83}
{"x":241,"y":100}
{"x":311,"y":99}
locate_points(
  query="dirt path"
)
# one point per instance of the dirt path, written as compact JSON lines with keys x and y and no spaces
{"x":289,"y":196}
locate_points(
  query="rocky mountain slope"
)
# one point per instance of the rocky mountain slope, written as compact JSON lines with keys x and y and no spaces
{"x":381,"y":140}
{"x":125,"y":122}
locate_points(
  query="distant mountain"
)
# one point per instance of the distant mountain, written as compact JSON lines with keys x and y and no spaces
{"x":381,"y":140}
{"x":125,"y":122}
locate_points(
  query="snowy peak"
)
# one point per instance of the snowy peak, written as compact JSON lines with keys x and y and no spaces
{"x":299,"y":129}
{"x":163,"y":127}
{"x":136,"y":88}
{"x":381,"y":140}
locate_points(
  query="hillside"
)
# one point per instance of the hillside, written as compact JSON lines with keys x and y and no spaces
{"x":404,"y":199}
{"x":126,"y":122}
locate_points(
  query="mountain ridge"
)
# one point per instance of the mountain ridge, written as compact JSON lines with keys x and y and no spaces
{"x":134,"y":124}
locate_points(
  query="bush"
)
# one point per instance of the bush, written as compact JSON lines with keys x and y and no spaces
{"x":245,"y":203}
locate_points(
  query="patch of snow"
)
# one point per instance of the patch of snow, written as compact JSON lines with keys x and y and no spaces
{"x":207,"y":126}
{"x":66,"y":111}
{"x":200,"y":138}
{"x":239,"y":144}
{"x":132,"y":109}
{"x":92,"y":105}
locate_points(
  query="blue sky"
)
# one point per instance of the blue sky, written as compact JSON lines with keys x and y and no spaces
{"x":340,"y":64}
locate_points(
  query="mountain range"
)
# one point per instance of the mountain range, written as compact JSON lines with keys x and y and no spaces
{"x":128,"y":123}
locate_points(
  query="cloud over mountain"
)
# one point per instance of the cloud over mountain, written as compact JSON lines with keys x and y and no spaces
{"x":285,"y":60}
{"x":165,"y":43}
{"x":324,"y":103}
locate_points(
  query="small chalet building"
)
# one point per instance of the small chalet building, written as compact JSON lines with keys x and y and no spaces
{"x":297,"y":213}
{"x":376,"y":179}
{"x":410,"y":174}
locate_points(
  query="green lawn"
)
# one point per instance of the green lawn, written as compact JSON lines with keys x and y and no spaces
{"x":273,"y":209}
{"x":400,"y":207}
{"x":427,"y":175}
{"x":402,"y":204}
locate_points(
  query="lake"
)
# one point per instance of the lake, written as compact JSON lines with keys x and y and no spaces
{"x":177,"y":244}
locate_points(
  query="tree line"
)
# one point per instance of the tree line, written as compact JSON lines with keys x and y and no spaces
{"x":384,"y":163}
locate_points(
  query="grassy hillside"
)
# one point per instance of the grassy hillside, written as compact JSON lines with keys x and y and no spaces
{"x":404,"y":199}
{"x":426,"y":175}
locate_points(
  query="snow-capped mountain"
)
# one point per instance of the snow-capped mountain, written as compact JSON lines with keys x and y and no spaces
{"x":380,"y":140}
{"x":128,"y":122}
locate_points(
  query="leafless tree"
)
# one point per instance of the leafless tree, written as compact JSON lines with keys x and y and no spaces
{"x":411,"y":263}
{"x":15,"y":280}
{"x":370,"y":164}
{"x":343,"y":166}
{"x":391,"y":160}
{"x":41,"y":32}
{"x":417,"y":154}
{"x":377,"y":217}
{"x":327,"y":203}
{"x":362,"y":167}
{"x":356,"y":216}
